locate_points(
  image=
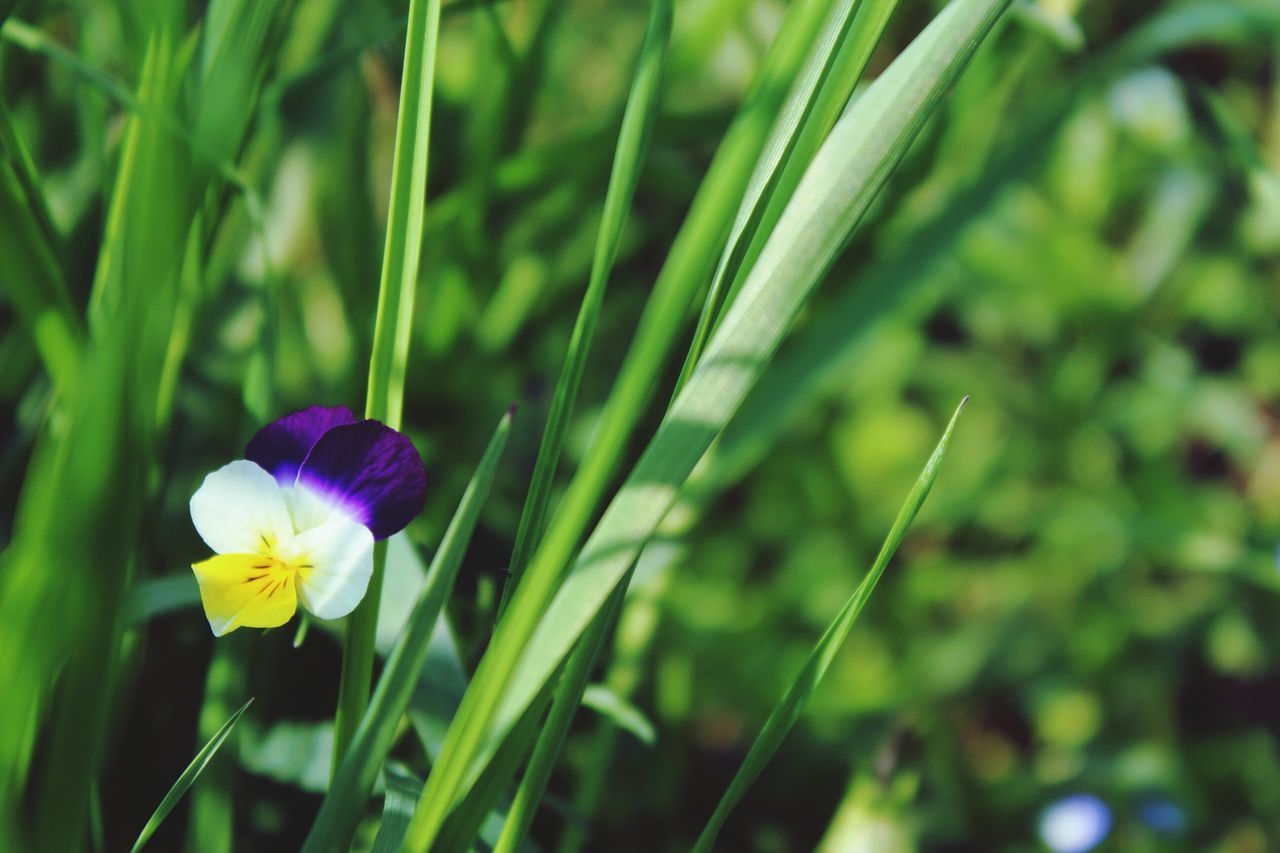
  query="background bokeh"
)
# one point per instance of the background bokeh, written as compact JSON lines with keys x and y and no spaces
{"x":1088,"y":601}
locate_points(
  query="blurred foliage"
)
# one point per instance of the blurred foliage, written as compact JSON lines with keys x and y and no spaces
{"x":1088,"y":600}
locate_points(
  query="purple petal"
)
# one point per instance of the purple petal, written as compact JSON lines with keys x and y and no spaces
{"x":372,"y":471}
{"x":281,"y":446}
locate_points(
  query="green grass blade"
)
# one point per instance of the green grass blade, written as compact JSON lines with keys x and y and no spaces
{"x":837,"y":88}
{"x":33,"y":281}
{"x":633,"y":141}
{"x":691,"y":258}
{"x":344,"y":804}
{"x":30,"y":243}
{"x":385,"y":395}
{"x":82,"y":496}
{"x":620,"y":713}
{"x":211,"y":812}
{"x":188,"y":778}
{"x":17,"y":155}
{"x":568,"y":696}
{"x":788,"y":710}
{"x":476,"y":816}
{"x":403,"y":790}
{"x":791,"y":123}
{"x":850,"y":169}
{"x":32,"y":39}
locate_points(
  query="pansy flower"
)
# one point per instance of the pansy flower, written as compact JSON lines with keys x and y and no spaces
{"x":296,"y":519}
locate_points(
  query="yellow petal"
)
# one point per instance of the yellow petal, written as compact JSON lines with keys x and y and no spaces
{"x":246,"y":590}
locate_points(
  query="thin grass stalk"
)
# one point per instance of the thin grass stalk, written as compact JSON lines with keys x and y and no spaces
{"x":17,"y":155}
{"x":810,"y":676}
{"x":188,"y":778}
{"x":34,"y":283}
{"x":385,"y":396}
{"x":633,"y":141}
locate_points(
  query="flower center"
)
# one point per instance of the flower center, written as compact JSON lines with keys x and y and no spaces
{"x":284,"y":568}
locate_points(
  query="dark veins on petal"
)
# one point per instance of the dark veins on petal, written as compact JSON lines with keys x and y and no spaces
{"x":374,"y":471}
{"x":282,"y":445}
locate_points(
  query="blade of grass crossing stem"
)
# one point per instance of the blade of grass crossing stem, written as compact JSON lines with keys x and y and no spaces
{"x":690,"y":259}
{"x":568,"y":697}
{"x":777,"y":149}
{"x":788,"y":710}
{"x":850,"y":169}
{"x":475,"y":814}
{"x":633,"y":141}
{"x":403,"y":790}
{"x":385,"y":395}
{"x":348,"y":793}
{"x":187,"y":778}
{"x":837,"y":88}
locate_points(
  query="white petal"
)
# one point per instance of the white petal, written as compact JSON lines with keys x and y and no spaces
{"x":240,"y":509}
{"x":334,"y":563}
{"x":309,"y":508}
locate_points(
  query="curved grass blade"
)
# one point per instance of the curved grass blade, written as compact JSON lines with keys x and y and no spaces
{"x":403,"y":790}
{"x":345,"y":801}
{"x":385,"y":395}
{"x":847,"y":173}
{"x":788,"y":710}
{"x":187,"y":778}
{"x":620,"y":713}
{"x":633,"y":142}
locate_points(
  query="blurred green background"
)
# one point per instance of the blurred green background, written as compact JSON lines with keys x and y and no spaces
{"x":1087,"y":246}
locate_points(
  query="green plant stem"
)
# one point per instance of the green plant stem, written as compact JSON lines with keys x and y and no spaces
{"x":385,"y":396}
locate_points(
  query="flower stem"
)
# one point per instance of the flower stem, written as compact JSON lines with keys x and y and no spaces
{"x":400,"y":262}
